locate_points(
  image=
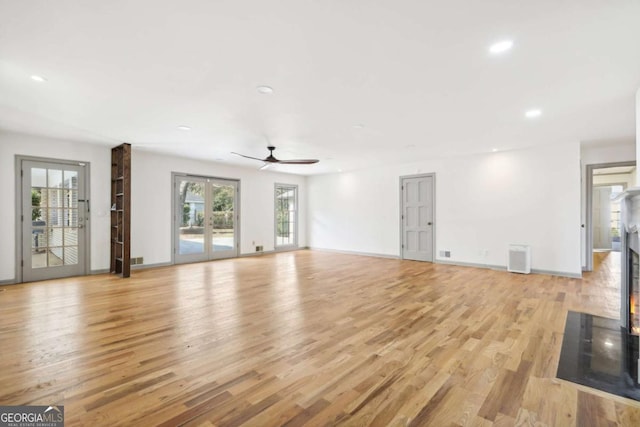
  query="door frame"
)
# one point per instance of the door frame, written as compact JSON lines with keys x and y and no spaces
{"x":174,"y":212}
{"x":431,"y":175}
{"x":18,"y":208}
{"x":588,"y":260}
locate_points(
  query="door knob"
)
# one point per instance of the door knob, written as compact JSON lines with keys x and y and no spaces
{"x":428,"y":223}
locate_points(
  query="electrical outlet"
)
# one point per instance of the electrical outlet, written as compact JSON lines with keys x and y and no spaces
{"x":445,"y":254}
{"x":259,"y":248}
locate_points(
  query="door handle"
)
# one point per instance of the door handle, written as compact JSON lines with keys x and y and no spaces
{"x":428,"y":223}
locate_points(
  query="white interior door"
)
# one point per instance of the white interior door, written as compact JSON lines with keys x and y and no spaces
{"x":417,"y":218}
{"x":54,"y":217}
{"x":206,"y":219}
{"x":601,"y":218}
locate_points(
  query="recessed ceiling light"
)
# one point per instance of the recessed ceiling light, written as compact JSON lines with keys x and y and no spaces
{"x":182,"y":127}
{"x":494,"y":150}
{"x":265,"y":90}
{"x":500,"y":47}
{"x":38,"y":79}
{"x":532,"y":113}
{"x":339,"y":170}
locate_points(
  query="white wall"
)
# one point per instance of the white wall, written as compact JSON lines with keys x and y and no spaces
{"x":483,"y":203}
{"x":151,"y":198}
{"x":619,"y":151}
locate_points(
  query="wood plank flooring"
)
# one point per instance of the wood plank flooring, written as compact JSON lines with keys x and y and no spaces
{"x":305,"y":338}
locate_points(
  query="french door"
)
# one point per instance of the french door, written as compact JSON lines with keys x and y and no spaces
{"x":54,"y":214}
{"x":206,"y":220}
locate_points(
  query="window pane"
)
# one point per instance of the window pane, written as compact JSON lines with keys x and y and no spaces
{"x":39,"y":239}
{"x":70,"y":218}
{"x":55,"y":178}
{"x":55,"y":236}
{"x":55,"y":198}
{"x":70,"y":236}
{"x":71,"y":179}
{"x":55,"y":257}
{"x":38,"y":177}
{"x":71,"y":198}
{"x":55,"y":218}
{"x":70,"y":255}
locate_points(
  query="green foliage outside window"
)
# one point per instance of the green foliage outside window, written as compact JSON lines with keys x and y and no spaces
{"x":36,"y":199}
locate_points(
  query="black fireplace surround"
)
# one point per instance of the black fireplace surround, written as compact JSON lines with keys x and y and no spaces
{"x":602,"y":353}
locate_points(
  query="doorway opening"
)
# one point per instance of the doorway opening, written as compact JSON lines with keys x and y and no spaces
{"x":605,"y":183}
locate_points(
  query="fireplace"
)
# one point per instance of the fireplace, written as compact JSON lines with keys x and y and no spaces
{"x":633,"y":287}
{"x":632,"y":310}
{"x":600,"y":352}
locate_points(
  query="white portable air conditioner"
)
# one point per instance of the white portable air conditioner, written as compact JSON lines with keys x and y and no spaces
{"x":519,"y":259}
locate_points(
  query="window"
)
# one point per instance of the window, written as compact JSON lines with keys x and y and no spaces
{"x":286,"y":202}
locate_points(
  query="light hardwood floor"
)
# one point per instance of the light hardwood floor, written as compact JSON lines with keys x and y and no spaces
{"x":308,"y":338}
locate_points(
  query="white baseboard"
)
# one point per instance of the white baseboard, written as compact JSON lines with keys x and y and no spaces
{"x":336,"y":251}
{"x":504,"y":268}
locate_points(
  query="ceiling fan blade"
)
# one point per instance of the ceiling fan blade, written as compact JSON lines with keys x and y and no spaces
{"x":267,"y":165}
{"x":299,"y":161}
{"x":248,"y":157}
{"x":271,"y":159}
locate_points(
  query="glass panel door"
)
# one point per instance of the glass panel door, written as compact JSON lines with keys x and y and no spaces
{"x":286,"y":215}
{"x":53,"y":220}
{"x":205,"y":219}
{"x":190,"y":225}
{"x":222,"y":218}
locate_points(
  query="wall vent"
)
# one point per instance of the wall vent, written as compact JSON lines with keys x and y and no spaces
{"x":519,"y":259}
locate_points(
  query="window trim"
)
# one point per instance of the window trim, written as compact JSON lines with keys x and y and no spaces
{"x":275,"y":216}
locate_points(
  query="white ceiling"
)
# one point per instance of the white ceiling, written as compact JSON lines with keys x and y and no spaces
{"x":416,"y":74}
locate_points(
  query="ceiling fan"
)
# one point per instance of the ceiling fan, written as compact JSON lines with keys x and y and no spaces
{"x":270,"y":159}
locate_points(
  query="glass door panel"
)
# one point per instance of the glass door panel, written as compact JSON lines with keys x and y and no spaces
{"x":222,"y":218}
{"x":53,"y":238}
{"x":191,"y":226}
